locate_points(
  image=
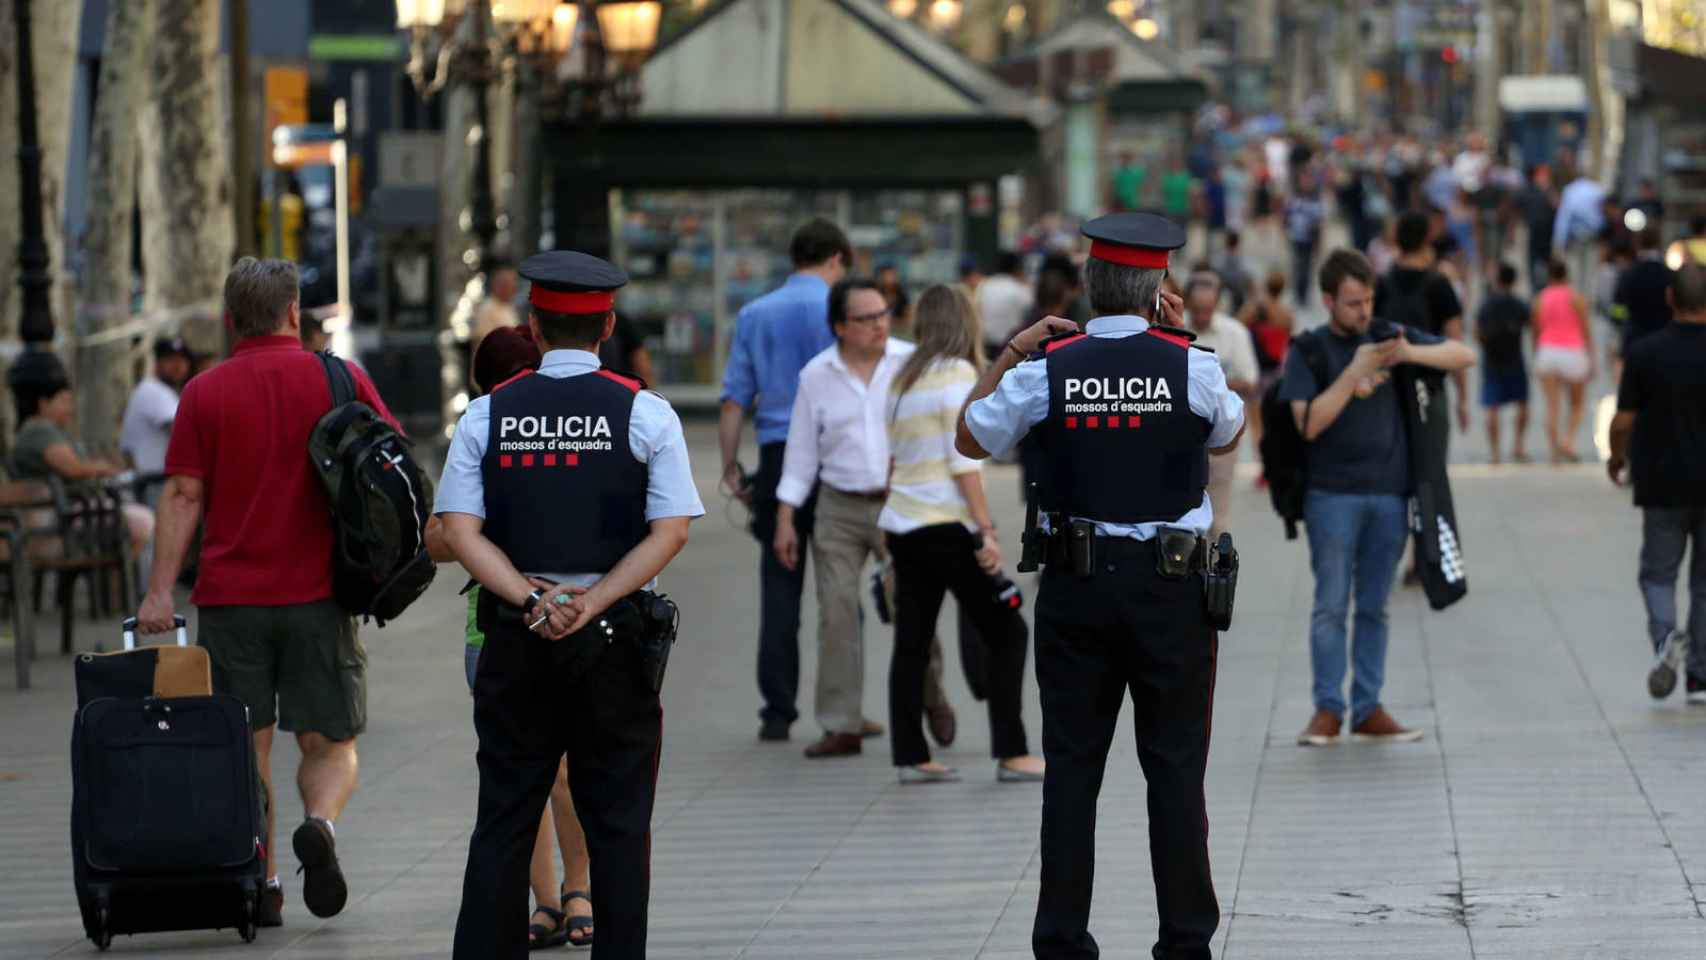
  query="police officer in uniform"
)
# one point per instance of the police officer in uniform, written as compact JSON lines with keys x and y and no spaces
{"x":565,"y":493}
{"x":1126,"y":413}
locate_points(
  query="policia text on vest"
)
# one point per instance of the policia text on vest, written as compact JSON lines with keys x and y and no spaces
{"x":1125,"y":413}
{"x":566,"y":492}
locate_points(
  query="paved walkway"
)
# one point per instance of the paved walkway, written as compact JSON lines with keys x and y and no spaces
{"x":1552,"y":811}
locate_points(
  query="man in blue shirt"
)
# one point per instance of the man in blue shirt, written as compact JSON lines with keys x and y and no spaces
{"x":774,"y":337}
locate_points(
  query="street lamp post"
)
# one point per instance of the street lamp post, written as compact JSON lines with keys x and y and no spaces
{"x":35,"y":327}
{"x":537,"y":35}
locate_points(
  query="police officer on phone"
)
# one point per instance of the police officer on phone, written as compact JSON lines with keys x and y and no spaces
{"x":1126,"y":412}
{"x":565,"y":493}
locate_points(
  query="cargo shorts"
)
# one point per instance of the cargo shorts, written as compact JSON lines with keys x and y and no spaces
{"x":301,"y":666}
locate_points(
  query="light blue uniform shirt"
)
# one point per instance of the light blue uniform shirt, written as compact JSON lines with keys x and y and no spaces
{"x":654,"y":437}
{"x":775,"y":336}
{"x":1020,"y":401}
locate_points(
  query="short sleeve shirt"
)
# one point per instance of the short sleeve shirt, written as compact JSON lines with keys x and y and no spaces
{"x":1438,"y":299}
{"x":29,"y":450}
{"x":242,"y":429}
{"x":654,"y":438}
{"x":1638,"y":302}
{"x":1365,"y":450}
{"x":1664,"y":384}
{"x":148,"y":424}
{"x":1021,"y":400}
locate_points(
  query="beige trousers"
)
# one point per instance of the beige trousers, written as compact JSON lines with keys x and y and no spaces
{"x":844,"y":537}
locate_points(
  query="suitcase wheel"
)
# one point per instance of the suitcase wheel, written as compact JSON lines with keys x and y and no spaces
{"x":248,"y":926}
{"x":103,"y":937}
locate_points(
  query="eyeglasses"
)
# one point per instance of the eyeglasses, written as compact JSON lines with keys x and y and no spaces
{"x":869,"y":317}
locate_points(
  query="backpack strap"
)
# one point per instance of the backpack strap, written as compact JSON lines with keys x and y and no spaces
{"x":1314,"y":357}
{"x":338,"y":378}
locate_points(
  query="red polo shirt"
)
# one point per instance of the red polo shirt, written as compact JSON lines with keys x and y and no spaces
{"x":242,"y":428}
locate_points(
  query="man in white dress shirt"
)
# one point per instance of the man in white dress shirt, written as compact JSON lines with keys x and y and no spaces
{"x":838,"y":436}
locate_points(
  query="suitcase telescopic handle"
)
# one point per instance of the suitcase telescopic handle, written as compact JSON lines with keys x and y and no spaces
{"x":178,"y":621}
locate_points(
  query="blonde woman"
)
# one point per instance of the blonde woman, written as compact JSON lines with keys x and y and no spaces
{"x":941,"y":538}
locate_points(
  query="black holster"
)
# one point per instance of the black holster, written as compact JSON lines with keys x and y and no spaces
{"x":660,"y":622}
{"x":1220,"y":582}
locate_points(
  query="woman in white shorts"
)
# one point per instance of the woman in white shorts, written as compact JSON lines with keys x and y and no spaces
{"x":1563,"y":358}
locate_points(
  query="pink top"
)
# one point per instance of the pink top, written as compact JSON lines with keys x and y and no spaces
{"x":1558,"y":323}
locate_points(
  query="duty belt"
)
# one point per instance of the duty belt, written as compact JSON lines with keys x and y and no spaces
{"x":1075,"y":547}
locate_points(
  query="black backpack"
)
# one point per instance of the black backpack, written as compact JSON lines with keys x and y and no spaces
{"x":380,"y":503}
{"x":1283,"y":448}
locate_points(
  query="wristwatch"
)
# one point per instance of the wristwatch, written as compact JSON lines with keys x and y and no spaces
{"x":532,"y":601}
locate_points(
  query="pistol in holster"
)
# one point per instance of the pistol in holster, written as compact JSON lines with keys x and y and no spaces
{"x":660,"y":622}
{"x":1220,"y":582}
{"x":1034,"y":542}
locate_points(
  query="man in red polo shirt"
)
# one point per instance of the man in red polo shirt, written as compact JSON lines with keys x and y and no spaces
{"x":238,"y":460}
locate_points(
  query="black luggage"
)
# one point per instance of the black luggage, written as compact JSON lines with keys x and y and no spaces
{"x":165,"y":812}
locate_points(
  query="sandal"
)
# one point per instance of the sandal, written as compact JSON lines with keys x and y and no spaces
{"x":539,"y":936}
{"x":577,"y":921}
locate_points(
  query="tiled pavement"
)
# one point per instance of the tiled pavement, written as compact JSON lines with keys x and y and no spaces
{"x":1552,"y":811}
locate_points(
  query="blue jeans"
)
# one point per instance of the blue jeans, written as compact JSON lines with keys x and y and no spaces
{"x":1355,"y":541}
{"x":1665,"y":535}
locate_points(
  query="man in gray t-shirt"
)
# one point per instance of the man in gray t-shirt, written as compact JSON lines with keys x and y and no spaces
{"x":1356,"y":508}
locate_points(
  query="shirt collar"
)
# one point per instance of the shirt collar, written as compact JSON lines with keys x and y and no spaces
{"x":805,"y":280}
{"x":270,"y":342}
{"x":568,"y":363}
{"x":891,"y":350}
{"x":1122,"y":323}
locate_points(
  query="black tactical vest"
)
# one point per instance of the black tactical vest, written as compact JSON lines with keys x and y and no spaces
{"x":564,"y":493}
{"x":1121,"y":441}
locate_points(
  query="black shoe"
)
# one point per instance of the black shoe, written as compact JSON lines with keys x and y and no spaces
{"x":269,"y":912}
{"x":1696,"y":689}
{"x":774,"y":731}
{"x":323,"y":887}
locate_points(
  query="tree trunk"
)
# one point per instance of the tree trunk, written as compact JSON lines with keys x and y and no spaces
{"x":104,"y":370}
{"x":54,"y":35}
{"x":185,"y":169}
{"x":459,"y":281}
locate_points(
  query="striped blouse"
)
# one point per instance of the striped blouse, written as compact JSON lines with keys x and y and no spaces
{"x":922,"y":421}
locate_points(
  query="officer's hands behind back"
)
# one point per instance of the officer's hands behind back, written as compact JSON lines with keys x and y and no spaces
{"x":558,"y":618}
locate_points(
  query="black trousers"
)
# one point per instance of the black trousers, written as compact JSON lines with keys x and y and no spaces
{"x":779,"y":592}
{"x":528,"y":715}
{"x":928,"y":562}
{"x":1125,"y":628}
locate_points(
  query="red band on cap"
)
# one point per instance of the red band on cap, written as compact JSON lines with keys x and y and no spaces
{"x":1129,"y":256}
{"x":556,"y":301}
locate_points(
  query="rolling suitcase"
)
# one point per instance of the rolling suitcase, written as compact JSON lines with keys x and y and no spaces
{"x":165,"y":811}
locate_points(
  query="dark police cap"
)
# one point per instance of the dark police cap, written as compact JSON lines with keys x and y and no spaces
{"x":1134,"y":239}
{"x":567,"y":281}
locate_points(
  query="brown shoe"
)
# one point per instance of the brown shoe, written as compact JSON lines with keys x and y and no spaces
{"x":944,"y":725}
{"x":870,"y":728}
{"x":1323,"y":730}
{"x":1382,"y":726}
{"x":835,"y":745}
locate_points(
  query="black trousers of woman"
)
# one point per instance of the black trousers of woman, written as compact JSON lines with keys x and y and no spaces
{"x":928,"y":562}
